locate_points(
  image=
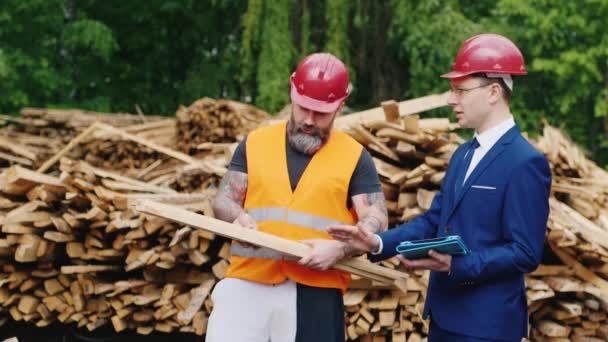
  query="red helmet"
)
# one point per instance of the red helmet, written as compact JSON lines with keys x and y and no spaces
{"x":490,"y":53}
{"x":320,"y":83}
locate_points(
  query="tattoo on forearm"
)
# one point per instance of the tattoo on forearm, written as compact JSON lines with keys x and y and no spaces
{"x":372,"y":213}
{"x":372,"y":223}
{"x":228,"y":202}
{"x":349,"y":250}
{"x":371,"y":209}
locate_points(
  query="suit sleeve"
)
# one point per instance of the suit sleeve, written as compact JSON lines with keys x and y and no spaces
{"x":524,"y":221}
{"x":422,"y":227}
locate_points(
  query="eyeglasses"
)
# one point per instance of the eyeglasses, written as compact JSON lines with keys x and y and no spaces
{"x":459,"y":91}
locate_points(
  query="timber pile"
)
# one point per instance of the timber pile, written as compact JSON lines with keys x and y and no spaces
{"x":64,"y":123}
{"x":73,"y":251}
{"x":40,"y":133}
{"x":216,"y":121}
{"x":28,"y":150}
{"x":411,"y":156}
{"x":79,"y":222}
{"x":112,"y":152}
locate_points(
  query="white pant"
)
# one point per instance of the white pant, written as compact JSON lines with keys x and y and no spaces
{"x":246,"y":311}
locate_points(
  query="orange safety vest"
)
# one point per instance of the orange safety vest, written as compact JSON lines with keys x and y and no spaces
{"x":319,"y":200}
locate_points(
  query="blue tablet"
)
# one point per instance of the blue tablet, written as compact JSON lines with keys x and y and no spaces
{"x":419,"y":249}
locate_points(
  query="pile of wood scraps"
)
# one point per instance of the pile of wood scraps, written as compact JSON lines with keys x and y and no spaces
{"x":216,"y":121}
{"x":38,"y":134}
{"x":564,"y":307}
{"x":75,"y":252}
{"x":411,"y":156}
{"x":74,"y":249}
{"x":112,"y":152}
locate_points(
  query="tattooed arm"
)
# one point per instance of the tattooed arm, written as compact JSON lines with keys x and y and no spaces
{"x":371,"y":210}
{"x":373,"y":218}
{"x":228,"y":203}
{"x":372,"y":213}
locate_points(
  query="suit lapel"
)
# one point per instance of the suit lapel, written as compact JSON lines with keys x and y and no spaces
{"x":494,"y":152}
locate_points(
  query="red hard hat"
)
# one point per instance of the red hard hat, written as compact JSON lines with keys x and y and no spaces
{"x":320,"y":83}
{"x":488,"y":53}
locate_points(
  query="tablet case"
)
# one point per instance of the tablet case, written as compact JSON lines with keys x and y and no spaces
{"x":419,"y":249}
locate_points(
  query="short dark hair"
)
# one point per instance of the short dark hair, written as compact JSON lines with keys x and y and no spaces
{"x":506,"y":92}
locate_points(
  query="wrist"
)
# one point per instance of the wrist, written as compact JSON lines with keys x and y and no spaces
{"x":376,"y":246}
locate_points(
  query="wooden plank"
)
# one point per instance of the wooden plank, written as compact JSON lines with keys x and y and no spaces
{"x":582,"y":271}
{"x":407,"y":107}
{"x":89,"y":268}
{"x":391,"y":111}
{"x":28,"y":179}
{"x":258,"y":238}
{"x":77,"y":140}
{"x":15,"y":159}
{"x":582,"y":225}
{"x":124,"y":179}
{"x":17,"y":149}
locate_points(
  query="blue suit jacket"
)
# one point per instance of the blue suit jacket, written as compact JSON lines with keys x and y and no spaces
{"x":501,"y":214}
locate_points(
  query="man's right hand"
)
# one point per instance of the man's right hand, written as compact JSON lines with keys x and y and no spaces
{"x":246,"y":221}
{"x":358,"y":237}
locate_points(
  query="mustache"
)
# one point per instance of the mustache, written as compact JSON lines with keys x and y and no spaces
{"x":299,"y":128}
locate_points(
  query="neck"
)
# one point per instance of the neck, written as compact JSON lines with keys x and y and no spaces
{"x":496,"y":117}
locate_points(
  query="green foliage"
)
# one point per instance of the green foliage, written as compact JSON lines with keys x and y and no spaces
{"x":110,"y":55}
{"x":338,"y":15}
{"x":91,"y":36}
{"x":428,"y":41}
{"x":566,"y":48}
{"x":276,"y":53}
{"x":305,"y":45}
{"x":252,"y":21}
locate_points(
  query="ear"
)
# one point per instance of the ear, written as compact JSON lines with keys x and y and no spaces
{"x":339,"y":110}
{"x":495,"y":93}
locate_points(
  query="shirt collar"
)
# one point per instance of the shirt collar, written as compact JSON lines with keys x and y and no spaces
{"x":488,"y":138}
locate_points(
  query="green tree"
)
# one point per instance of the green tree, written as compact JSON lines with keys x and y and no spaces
{"x":566,"y":48}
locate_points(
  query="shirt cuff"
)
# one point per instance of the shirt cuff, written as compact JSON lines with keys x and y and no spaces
{"x":380,"y":245}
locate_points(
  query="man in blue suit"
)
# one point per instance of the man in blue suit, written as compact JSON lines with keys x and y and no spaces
{"x":494,"y":196}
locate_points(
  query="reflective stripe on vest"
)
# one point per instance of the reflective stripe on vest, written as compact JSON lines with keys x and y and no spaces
{"x":278,"y":214}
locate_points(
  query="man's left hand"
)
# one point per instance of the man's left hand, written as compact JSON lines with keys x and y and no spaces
{"x":437,"y":262}
{"x":324,"y":255}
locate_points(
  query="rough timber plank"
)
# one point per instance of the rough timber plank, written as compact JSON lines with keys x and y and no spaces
{"x":288,"y":247}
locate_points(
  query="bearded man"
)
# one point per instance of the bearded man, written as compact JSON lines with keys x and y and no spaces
{"x":293,"y":180}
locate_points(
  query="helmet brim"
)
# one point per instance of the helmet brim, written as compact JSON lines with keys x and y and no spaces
{"x":455,"y":74}
{"x":459,"y":74}
{"x":316,"y":105}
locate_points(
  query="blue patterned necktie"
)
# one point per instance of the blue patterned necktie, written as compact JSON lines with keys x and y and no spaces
{"x":464,"y":166}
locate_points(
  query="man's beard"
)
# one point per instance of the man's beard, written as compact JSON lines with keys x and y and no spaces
{"x":306,"y":143}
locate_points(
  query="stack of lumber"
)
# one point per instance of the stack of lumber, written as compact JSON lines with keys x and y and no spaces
{"x":72,"y":251}
{"x":411,"y":156}
{"x":569,"y":301}
{"x":216,"y":121}
{"x":112,"y":152}
{"x":39,"y":133}
{"x":373,"y":313}
{"x":565,"y":307}
{"x":28,"y":150}
{"x":64,"y":123}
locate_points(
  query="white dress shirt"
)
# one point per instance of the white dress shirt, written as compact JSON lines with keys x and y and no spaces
{"x":486,"y":140}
